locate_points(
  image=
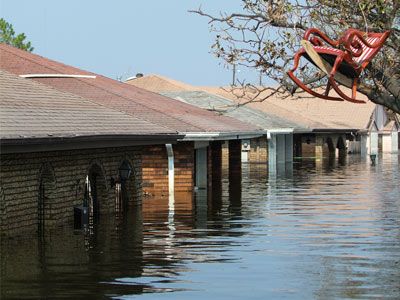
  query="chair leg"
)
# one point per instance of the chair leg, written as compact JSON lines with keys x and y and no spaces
{"x":341,"y":94}
{"x":296,"y":61}
{"x":328,"y":88}
{"x":332,"y":81}
{"x":354,"y":88}
{"x":301,"y":85}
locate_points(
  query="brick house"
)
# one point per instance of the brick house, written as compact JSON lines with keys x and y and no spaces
{"x":56,"y":146}
{"x":166,"y":169}
{"x":274,"y":147}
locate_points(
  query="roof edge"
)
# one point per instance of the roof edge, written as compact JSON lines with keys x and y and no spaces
{"x":24,"y":145}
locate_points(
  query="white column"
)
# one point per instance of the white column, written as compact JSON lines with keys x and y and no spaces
{"x":272,"y":153}
{"x":201,"y":168}
{"x":373,"y":142}
{"x":395,"y":142}
{"x":289,"y":147}
{"x":364,"y":144}
{"x":280,"y":148}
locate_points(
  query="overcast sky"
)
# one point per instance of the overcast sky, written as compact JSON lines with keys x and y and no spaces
{"x":125,"y":37}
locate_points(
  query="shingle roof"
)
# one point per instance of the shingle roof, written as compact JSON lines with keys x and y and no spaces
{"x":312,"y":112}
{"x":29,"y":109}
{"x":302,"y":109}
{"x":110,"y":93}
{"x":244,"y":113}
{"x":157,"y":83}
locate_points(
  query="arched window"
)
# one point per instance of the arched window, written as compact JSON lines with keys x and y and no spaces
{"x":96,"y":190}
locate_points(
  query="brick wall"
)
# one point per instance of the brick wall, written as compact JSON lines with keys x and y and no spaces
{"x":63,"y":175}
{"x":258,"y":150}
{"x":225,"y":154}
{"x":308,"y":146}
{"x":155,"y":169}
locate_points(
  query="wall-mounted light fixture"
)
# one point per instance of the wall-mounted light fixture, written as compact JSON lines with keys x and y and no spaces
{"x":124,"y":172}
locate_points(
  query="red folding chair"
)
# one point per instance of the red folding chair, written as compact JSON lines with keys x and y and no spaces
{"x":342,"y":60}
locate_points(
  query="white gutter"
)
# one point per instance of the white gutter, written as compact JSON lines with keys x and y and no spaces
{"x":215,"y":136}
{"x":56,"y":76}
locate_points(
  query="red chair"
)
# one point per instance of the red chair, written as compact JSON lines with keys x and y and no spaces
{"x":342,"y":60}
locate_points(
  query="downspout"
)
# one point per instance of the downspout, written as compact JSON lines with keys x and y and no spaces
{"x":171,"y":195}
{"x":171,"y":175}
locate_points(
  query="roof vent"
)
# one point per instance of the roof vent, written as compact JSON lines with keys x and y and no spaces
{"x":138,"y":75}
{"x":56,"y":76}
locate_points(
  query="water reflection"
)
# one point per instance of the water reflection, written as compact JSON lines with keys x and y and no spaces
{"x":314,"y":230}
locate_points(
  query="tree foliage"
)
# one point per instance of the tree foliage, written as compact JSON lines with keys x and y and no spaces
{"x":266,"y":34}
{"x":8,"y":36}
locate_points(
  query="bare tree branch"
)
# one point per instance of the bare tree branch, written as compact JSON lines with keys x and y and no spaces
{"x":266,"y":34}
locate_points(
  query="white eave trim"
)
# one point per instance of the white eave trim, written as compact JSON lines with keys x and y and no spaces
{"x":281,"y":130}
{"x":56,"y":76}
{"x":216,"y":136}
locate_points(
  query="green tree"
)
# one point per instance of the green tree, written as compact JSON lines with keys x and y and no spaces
{"x":8,"y":36}
{"x":265,"y":34}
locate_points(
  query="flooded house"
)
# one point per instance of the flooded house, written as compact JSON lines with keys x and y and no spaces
{"x":321,"y":128}
{"x":59,"y":150}
{"x":189,"y":160}
{"x":336,"y":127}
{"x":275,"y":147}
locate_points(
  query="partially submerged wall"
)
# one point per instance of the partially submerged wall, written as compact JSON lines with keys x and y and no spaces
{"x":52,"y":183}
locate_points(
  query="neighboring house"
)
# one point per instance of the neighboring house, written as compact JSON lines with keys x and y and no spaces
{"x":59,"y":150}
{"x":164,"y":173}
{"x":278,"y":131}
{"x":382,"y":132}
{"x":320,"y":127}
{"x":323,"y":116}
{"x":277,"y":144}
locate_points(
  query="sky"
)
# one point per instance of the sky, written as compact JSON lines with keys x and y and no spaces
{"x":120,"y":38}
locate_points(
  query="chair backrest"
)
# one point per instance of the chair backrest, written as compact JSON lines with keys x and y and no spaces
{"x":356,"y":39}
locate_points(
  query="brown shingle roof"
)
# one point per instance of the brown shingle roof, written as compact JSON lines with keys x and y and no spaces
{"x":312,"y":112}
{"x":157,"y":83}
{"x":113,"y":94}
{"x":29,"y":109}
{"x":302,"y":109}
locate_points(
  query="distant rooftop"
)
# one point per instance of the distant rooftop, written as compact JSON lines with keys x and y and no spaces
{"x":302,"y":110}
{"x":227,"y":107}
{"x":312,"y":112}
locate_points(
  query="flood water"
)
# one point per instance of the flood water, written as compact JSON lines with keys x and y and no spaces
{"x":318,"y":231}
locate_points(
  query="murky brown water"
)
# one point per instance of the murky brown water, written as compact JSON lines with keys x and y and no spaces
{"x":315,"y":232}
